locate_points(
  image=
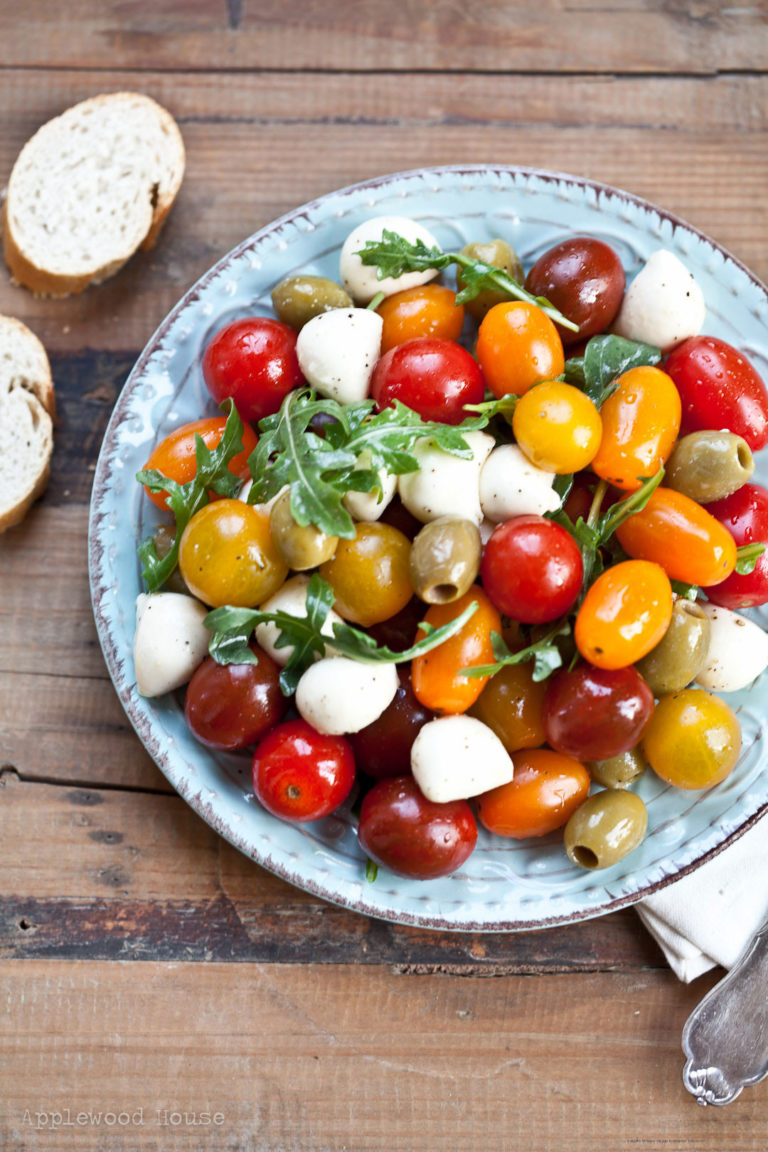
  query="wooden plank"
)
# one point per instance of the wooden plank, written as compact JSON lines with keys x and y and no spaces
{"x":104,"y":874}
{"x":526,"y":37}
{"x":666,"y":139}
{"x":314,"y":1058}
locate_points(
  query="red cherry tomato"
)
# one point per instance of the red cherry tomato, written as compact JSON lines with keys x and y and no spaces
{"x":253,"y":361}
{"x":434,"y":377}
{"x":233,"y":705}
{"x":300,"y":774}
{"x":584,"y":279}
{"x":532,"y":569}
{"x":412,"y":836}
{"x":719,"y":388}
{"x":745,"y":515}
{"x":175,"y":455}
{"x":546,"y":788}
{"x":595,"y":713}
{"x":383,"y":748}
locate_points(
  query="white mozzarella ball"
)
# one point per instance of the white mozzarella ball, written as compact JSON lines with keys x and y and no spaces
{"x":368,"y":506}
{"x":510,"y":485}
{"x":337,"y":695}
{"x":738,"y":651}
{"x":455,"y":757}
{"x":170,"y":641}
{"x":291,"y":598}
{"x":445,"y":485}
{"x":361,"y":280}
{"x":663,"y":305}
{"x":337,"y":352}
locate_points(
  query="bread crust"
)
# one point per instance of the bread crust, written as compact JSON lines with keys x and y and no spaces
{"x":162,"y":192}
{"x":31,"y":384}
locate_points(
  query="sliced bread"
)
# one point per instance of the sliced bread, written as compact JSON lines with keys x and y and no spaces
{"x":26,"y":424}
{"x":88,"y":189}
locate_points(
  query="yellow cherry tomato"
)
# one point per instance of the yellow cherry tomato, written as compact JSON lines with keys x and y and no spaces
{"x":625,"y":613}
{"x":641,"y":420}
{"x":227,"y":555}
{"x":370,"y":574}
{"x":557,"y":426}
{"x":517,"y":346}
{"x":693,"y":739}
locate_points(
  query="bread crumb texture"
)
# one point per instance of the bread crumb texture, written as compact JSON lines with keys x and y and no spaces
{"x":26,"y":420}
{"x":88,"y":189}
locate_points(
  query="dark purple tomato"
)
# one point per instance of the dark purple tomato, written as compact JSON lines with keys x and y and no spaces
{"x":719,"y":388}
{"x":532,"y":569}
{"x":399,"y":630}
{"x":383,"y":748}
{"x":583,"y":277}
{"x":230,"y":706}
{"x":254,"y":361}
{"x":412,"y":836}
{"x":300,"y":774}
{"x":745,"y":514}
{"x":593,"y":713}
{"x":432,"y":376}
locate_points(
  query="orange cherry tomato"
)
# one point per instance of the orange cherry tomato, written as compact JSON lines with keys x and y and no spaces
{"x":546,"y":789}
{"x":641,"y":420}
{"x":175,"y":455}
{"x":625,"y":613}
{"x":557,"y":426}
{"x":437,"y":682}
{"x":429,"y":310}
{"x":517,"y":346}
{"x":686,"y":540}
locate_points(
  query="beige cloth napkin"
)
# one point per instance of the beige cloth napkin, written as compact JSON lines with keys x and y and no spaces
{"x":708,"y":918}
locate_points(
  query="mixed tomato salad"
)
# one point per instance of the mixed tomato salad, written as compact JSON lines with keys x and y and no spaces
{"x":466,"y":543}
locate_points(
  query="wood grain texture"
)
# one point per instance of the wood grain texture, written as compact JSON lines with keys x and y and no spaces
{"x":314,"y":1059}
{"x":575,"y":36}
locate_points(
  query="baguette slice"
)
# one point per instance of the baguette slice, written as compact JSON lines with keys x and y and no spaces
{"x":88,"y":189}
{"x":26,"y":420}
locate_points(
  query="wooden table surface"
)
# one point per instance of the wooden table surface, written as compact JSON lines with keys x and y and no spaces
{"x":152,"y":975}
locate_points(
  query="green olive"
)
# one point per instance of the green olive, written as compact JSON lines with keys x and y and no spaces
{"x":301,"y":547}
{"x":500,"y":255}
{"x":605,"y":828}
{"x":619,"y":771}
{"x":299,"y":298}
{"x":682,"y":651}
{"x":445,"y":559}
{"x":709,"y":465}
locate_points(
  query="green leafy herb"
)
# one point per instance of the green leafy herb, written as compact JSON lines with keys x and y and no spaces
{"x":321,"y":468}
{"x":605,"y":358}
{"x":212,"y":475}
{"x":232,"y":629}
{"x":371,"y":870}
{"x":544,"y":652}
{"x":684,"y":591}
{"x":394,"y":256}
{"x":747,"y":556}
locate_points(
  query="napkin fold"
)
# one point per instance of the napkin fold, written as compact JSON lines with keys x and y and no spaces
{"x":707,"y":918}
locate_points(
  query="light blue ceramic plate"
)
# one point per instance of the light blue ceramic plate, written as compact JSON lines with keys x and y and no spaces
{"x":504,"y":885}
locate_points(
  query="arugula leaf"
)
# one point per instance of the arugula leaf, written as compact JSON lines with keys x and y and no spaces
{"x":394,"y":255}
{"x":684,"y":591}
{"x":320,"y":469}
{"x":544,"y":652}
{"x":184,"y":500}
{"x":231,"y":630}
{"x":747,"y":556}
{"x":605,"y":358}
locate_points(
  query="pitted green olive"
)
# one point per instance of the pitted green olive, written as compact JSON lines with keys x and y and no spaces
{"x":445,"y":559}
{"x":301,"y":547}
{"x":620,"y":771}
{"x":500,"y":255}
{"x":682,"y":651}
{"x":709,"y":465}
{"x":299,"y":298}
{"x":605,"y":828}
